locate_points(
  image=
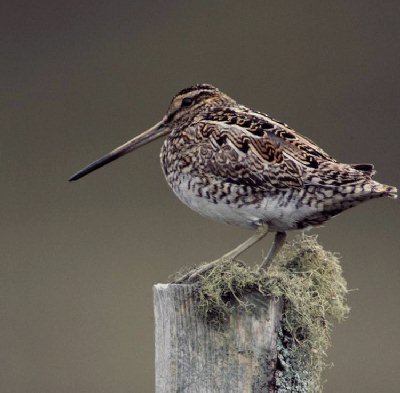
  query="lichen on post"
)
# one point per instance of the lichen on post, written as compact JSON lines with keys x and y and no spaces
{"x":240,"y":329}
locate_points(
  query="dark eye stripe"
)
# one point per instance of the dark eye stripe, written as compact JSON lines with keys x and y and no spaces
{"x":195,"y":100}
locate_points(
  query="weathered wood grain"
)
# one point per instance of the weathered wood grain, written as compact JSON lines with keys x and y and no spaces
{"x":195,"y":357}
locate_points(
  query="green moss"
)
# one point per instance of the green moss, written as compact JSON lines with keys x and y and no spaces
{"x":223,"y":287}
{"x":309,"y":280}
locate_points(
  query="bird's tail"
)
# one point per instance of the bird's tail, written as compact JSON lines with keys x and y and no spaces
{"x":354,"y":194}
{"x":383,"y":190}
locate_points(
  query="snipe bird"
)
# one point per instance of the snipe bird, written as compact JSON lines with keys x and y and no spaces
{"x":242,"y":167}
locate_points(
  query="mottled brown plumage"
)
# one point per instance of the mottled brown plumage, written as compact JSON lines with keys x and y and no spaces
{"x":243,"y":167}
{"x":228,"y":154}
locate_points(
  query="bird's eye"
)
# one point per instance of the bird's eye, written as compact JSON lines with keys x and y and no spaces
{"x":187,"y":101}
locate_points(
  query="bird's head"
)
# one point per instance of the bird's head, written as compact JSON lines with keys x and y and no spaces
{"x":184,"y":108}
{"x":193,"y":102}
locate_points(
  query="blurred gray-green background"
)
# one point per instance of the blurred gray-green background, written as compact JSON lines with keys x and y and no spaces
{"x":78,"y":261}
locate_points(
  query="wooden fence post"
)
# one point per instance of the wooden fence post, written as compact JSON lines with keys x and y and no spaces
{"x":194,"y":357}
{"x":278,"y":344}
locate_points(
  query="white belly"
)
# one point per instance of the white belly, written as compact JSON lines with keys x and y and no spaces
{"x":268,"y":210}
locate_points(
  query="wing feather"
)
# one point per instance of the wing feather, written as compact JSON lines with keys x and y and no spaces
{"x":230,"y":153}
{"x":255,"y":150}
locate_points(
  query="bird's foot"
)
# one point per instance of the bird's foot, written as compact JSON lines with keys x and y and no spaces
{"x":194,"y":274}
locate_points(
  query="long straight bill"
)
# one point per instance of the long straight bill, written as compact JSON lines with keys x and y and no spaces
{"x":145,"y":137}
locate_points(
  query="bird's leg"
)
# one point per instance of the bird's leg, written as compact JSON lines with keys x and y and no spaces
{"x":260,"y":233}
{"x":229,"y":256}
{"x":279,"y":241}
